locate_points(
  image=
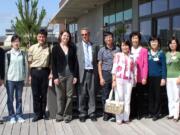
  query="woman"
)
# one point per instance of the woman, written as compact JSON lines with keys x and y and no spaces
{"x":65,"y":71}
{"x":124,"y":77}
{"x":140,"y":57}
{"x":173,"y":78}
{"x":15,"y":73}
{"x":157,"y":76}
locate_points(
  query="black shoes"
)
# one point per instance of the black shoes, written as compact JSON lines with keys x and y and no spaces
{"x":155,"y":118}
{"x":106,"y":117}
{"x":1,"y":121}
{"x":149,"y":116}
{"x":82,"y":119}
{"x":67,"y":120}
{"x":93,"y":118}
{"x":36,"y":118}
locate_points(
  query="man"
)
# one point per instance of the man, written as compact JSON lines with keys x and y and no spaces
{"x":2,"y":64}
{"x":105,"y":62}
{"x":39,"y":60}
{"x":86,"y":55}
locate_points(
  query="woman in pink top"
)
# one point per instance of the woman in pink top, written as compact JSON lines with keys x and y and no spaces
{"x":124,"y":77}
{"x":140,"y":57}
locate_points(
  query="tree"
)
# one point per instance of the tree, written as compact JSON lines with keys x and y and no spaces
{"x":28,"y":22}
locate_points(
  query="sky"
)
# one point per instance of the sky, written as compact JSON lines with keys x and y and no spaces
{"x":8,"y":11}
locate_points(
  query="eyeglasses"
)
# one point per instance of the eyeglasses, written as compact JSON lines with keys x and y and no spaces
{"x":84,"y":34}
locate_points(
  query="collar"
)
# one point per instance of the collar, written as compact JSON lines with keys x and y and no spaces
{"x":44,"y":46}
{"x":113,"y":48}
{"x":15,"y":51}
{"x":84,"y":43}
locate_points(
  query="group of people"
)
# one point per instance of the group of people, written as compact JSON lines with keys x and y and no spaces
{"x":126,"y":70}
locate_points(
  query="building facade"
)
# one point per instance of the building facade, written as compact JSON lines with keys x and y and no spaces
{"x":150,"y":17}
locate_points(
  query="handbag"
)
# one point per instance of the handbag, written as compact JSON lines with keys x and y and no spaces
{"x":112,"y":106}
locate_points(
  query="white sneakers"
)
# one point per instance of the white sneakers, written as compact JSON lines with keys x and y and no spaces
{"x":18,"y":118}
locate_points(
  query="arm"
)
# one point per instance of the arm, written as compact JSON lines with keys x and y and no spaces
{"x":114,"y":68}
{"x":145,"y":67}
{"x":164,"y":69}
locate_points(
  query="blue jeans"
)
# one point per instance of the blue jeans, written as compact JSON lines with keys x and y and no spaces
{"x":17,"y":87}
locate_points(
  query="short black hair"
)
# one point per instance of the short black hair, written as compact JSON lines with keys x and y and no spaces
{"x":127,"y":43}
{"x":177,"y":42}
{"x":108,"y":33}
{"x":14,"y":37}
{"x":43,"y":32}
{"x":135,"y":33}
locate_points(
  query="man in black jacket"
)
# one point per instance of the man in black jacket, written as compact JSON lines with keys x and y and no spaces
{"x":1,"y":71}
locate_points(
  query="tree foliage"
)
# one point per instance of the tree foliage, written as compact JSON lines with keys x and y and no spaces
{"x":29,"y":21}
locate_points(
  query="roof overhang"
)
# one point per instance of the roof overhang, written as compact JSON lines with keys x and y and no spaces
{"x":71,"y":10}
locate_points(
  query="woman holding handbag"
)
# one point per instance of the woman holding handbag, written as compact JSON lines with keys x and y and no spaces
{"x":65,"y":71}
{"x":124,"y":77}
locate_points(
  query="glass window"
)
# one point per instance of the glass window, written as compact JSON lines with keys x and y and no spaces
{"x":145,"y":29}
{"x":159,"y":5}
{"x":106,"y":20}
{"x":128,"y":14}
{"x":163,"y":30}
{"x":128,"y":28}
{"x":174,"y":4}
{"x":144,"y":7}
{"x":112,"y":19}
{"x":176,"y":26}
{"x":119,"y":16}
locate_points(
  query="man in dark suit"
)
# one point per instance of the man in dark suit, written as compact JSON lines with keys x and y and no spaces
{"x":2,"y":63}
{"x":86,"y":54}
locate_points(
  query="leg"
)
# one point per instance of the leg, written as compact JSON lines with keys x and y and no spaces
{"x":19,"y":90}
{"x":10,"y":86}
{"x":91,"y":93}
{"x":44,"y":88}
{"x":60,"y":97}
{"x":119,"y":96}
{"x":170,"y":96}
{"x":69,"y":97}
{"x":127,"y":98}
{"x":157,"y":107}
{"x":151,"y":96}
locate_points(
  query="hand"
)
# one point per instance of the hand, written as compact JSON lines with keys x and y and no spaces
{"x":102,"y":82}
{"x":50,"y":76}
{"x":178,"y":81}
{"x":113,"y":85}
{"x":56,"y":81}
{"x":1,"y":82}
{"x":74,"y":80}
{"x":29,"y":79}
{"x":163,"y":82}
{"x":144,"y":81}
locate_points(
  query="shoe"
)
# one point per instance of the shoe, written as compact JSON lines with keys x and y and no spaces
{"x":126,"y":122}
{"x":93,"y":118}
{"x":106,"y":117}
{"x":67,"y":120}
{"x":149,"y":116}
{"x":119,"y":122}
{"x":13,"y":120}
{"x":169,"y":117}
{"x":1,"y":121}
{"x":46,"y":116}
{"x":155,"y":118}
{"x":59,"y":118}
{"x":36,"y":118}
{"x":82,"y":119}
{"x":20,"y":119}
{"x":176,"y":120}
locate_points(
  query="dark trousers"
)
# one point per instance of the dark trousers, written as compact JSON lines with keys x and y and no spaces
{"x":17,"y":87}
{"x":154,"y":95}
{"x":138,"y":100}
{"x":107,"y":86}
{"x":87,"y":90}
{"x":39,"y":85}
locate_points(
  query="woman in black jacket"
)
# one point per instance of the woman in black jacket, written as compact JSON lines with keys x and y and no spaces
{"x":65,"y":71}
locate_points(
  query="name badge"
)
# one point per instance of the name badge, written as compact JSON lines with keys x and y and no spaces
{"x":156,"y":59}
{"x":173,"y":57}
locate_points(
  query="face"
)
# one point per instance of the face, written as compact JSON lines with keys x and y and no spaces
{"x":16,"y":44}
{"x":125,"y":48}
{"x":41,"y":39}
{"x":108,"y":40}
{"x":85,"y":35}
{"x":135,"y":41}
{"x":154,"y":44}
{"x":173,"y":45}
{"x":65,"y":38}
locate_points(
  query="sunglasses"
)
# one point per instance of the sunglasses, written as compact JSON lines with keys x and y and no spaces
{"x":84,"y":34}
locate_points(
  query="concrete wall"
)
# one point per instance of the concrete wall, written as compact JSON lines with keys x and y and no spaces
{"x":94,"y":21}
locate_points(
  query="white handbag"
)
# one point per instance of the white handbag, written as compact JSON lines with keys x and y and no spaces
{"x":112,"y":106}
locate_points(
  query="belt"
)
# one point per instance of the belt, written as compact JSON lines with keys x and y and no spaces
{"x":40,"y":68}
{"x":88,"y":70}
